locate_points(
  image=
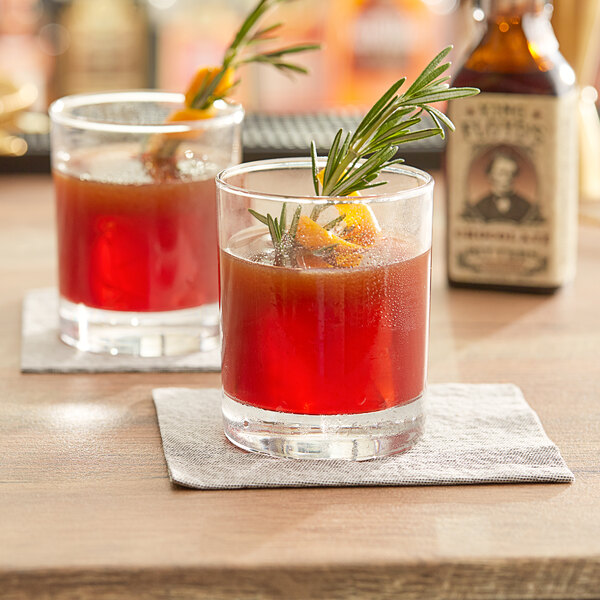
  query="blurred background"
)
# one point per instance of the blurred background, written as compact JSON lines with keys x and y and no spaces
{"x":51,"y":48}
{"x":71,"y":46}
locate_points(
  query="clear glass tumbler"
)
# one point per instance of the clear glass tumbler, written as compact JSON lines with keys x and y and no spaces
{"x":137,"y":221}
{"x":325,"y":331}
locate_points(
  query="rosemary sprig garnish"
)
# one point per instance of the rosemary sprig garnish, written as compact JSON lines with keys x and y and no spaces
{"x":356,"y":159}
{"x":283,"y":241}
{"x":215,"y":83}
{"x":248,"y":36}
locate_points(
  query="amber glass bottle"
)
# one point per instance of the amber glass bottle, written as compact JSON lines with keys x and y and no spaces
{"x":512,"y":162}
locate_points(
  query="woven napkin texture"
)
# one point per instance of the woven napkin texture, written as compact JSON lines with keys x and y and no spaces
{"x":473,"y":434}
{"x":43,"y":352}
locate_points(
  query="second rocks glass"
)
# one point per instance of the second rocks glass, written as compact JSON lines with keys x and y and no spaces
{"x":136,"y":217}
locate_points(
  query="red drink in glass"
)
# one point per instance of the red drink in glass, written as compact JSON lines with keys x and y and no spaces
{"x":137,"y":247}
{"x":325,"y":341}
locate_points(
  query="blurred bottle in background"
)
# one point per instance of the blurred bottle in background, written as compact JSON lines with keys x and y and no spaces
{"x":108,"y":46}
{"x":372,"y":43}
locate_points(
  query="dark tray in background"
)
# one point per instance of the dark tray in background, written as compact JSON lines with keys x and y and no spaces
{"x":264,"y":136}
{"x":275,"y":136}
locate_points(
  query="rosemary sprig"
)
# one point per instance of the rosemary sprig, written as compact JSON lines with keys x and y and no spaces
{"x":248,"y":36}
{"x":284,"y":241}
{"x":356,"y":159}
{"x":218,"y":82}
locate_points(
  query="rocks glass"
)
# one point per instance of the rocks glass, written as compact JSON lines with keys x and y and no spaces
{"x":136,"y":221}
{"x":324,"y":344}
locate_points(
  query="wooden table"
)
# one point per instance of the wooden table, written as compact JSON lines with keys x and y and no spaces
{"x":87,"y":510}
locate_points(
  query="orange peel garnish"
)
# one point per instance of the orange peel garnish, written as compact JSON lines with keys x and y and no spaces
{"x":359,"y":219}
{"x":312,"y":236}
{"x":203,"y":76}
{"x":191,"y":114}
{"x":361,"y":224}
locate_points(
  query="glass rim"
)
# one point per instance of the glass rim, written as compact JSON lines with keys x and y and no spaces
{"x":273,"y":164}
{"x":228,"y":113}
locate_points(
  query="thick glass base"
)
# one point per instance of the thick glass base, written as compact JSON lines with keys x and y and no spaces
{"x":348,"y":437}
{"x":148,"y":334}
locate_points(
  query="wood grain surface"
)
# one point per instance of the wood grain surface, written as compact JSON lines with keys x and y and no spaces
{"x":87,"y":510}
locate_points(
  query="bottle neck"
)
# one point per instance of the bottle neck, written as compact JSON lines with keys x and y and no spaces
{"x":512,"y":23}
{"x":514,"y":9}
{"x":518,"y":37}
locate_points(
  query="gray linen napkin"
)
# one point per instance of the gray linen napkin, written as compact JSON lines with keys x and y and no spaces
{"x":473,"y":434}
{"x":43,"y":352}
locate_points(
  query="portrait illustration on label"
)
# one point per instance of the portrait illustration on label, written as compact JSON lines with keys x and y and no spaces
{"x":503,"y":188}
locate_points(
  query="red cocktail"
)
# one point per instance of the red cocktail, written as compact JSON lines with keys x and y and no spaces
{"x":136,"y":220}
{"x":325,"y":312}
{"x":138,"y":248}
{"x":324,"y":341}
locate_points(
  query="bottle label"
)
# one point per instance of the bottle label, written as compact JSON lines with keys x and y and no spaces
{"x":512,"y":190}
